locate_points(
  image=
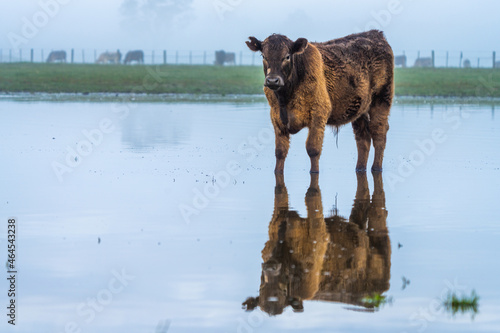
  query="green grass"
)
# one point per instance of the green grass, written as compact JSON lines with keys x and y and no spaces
{"x":462,"y":304}
{"x":375,"y":301}
{"x":79,"y":78}
{"x":453,"y":304}
{"x":448,"y":82}
{"x":75,"y":78}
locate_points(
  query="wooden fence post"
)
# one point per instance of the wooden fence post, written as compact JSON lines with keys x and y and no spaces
{"x":494,"y":59}
{"x":461,"y":57}
{"x":164,"y":57}
{"x":447,"y":56}
{"x":72,"y":55}
{"x":433,"y":59}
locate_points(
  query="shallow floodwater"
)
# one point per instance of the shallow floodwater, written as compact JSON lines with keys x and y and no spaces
{"x":167,"y":217}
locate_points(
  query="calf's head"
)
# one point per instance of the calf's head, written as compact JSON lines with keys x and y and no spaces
{"x":275,"y":294}
{"x":278,"y":57}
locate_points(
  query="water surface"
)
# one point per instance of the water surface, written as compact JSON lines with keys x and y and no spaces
{"x":167,"y":217}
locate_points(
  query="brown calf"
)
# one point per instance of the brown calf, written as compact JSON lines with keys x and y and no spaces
{"x":326,"y":258}
{"x":345,"y":80}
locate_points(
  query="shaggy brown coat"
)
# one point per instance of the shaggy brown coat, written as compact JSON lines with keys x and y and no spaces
{"x":345,"y":80}
{"x":331,"y":258}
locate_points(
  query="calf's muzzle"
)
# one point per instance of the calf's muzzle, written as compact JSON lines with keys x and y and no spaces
{"x":274,"y":82}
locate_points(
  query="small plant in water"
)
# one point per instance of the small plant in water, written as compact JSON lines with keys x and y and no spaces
{"x":462,"y":304}
{"x":375,"y":301}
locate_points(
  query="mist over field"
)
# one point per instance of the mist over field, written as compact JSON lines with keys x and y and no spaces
{"x":225,"y":24}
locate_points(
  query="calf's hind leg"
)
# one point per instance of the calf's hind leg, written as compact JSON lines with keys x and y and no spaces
{"x":378,"y":127}
{"x":363,"y":141}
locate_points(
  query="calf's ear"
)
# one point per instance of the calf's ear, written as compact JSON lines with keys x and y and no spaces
{"x":297,"y":305}
{"x":251,"y":303}
{"x":299,"y":46}
{"x":254,"y":44}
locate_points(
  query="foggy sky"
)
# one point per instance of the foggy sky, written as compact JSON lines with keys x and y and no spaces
{"x":225,"y":24}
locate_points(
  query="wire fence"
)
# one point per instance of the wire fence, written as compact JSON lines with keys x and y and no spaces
{"x":444,"y":59}
{"x":151,"y":57}
{"x":404,"y":58}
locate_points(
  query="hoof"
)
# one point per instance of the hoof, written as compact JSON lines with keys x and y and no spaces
{"x":376,"y":170}
{"x":278,"y":171}
{"x":314,"y":172}
{"x":360,"y":169}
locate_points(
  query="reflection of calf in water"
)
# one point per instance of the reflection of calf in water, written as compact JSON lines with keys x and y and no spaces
{"x":329,"y":259}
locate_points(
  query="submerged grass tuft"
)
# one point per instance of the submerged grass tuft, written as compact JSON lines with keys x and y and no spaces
{"x":375,"y":301}
{"x":463,"y":304}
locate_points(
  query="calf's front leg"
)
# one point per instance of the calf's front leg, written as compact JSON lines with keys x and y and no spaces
{"x":314,"y":145}
{"x":282,"y":145}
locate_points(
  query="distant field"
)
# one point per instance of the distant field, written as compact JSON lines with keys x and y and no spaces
{"x":448,"y":82}
{"x":74,"y":78}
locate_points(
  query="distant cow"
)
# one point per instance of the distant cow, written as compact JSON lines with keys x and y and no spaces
{"x":57,"y":56}
{"x":230,"y":58}
{"x":136,"y":55}
{"x":345,"y":80}
{"x":423,"y":62}
{"x":109,"y":58}
{"x":222,"y":57}
{"x":332,"y":259}
{"x":400,"y":60}
{"x":467,"y":63}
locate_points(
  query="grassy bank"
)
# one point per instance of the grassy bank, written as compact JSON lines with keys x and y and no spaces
{"x":67,"y":78}
{"x":74,"y":78}
{"x":448,"y":82}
